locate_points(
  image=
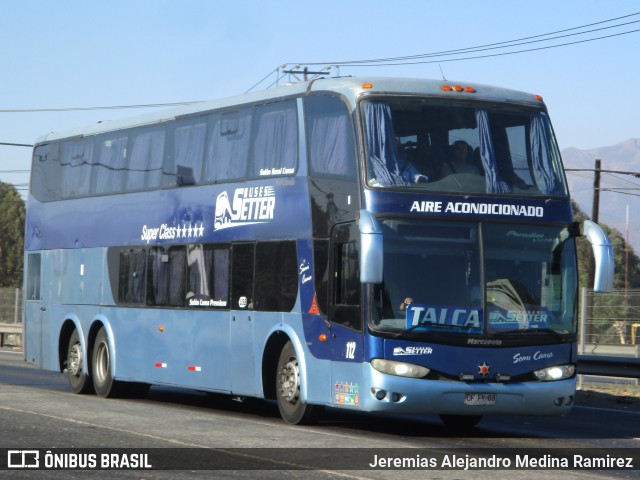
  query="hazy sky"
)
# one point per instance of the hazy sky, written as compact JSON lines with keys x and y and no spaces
{"x":86,"y":53}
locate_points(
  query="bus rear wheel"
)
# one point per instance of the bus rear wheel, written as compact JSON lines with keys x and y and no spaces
{"x":103,"y":381}
{"x":78,"y":381}
{"x":292,"y":409}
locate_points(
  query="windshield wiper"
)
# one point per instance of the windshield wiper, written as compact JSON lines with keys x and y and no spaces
{"x":430,"y":324}
{"x":536,"y":331}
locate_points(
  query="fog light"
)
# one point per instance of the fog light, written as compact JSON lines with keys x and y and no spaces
{"x":380,"y":394}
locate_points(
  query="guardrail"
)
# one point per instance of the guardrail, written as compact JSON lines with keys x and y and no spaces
{"x":625,"y":367}
{"x":597,"y":365}
{"x":609,"y":360}
{"x":8,"y":329}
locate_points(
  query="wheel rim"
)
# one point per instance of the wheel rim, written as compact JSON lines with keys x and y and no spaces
{"x":74,"y":362}
{"x":102,"y":362}
{"x":290,"y":381}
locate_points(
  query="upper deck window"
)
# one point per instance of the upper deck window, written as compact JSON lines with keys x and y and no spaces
{"x":275,"y":140}
{"x":243,"y":143}
{"x":412,"y":142}
{"x":330,"y":137}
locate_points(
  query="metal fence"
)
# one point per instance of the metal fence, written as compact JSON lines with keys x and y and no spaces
{"x":10,"y":317}
{"x":610,"y":320}
{"x":609,"y":323}
{"x":10,"y":305}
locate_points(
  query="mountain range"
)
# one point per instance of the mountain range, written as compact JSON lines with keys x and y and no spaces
{"x":619,"y":192}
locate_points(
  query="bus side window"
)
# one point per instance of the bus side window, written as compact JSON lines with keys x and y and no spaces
{"x":208,"y":276}
{"x":346,"y":277}
{"x":330,"y":137}
{"x":145,"y":163}
{"x":76,"y":158}
{"x":276,"y":276}
{"x":185,"y":160}
{"x":274,"y":149}
{"x":46,"y":173}
{"x":242,"y":276}
{"x":33,"y":276}
{"x":110,"y":171}
{"x":131,"y":281}
{"x":228,"y":141}
{"x":166,"y":276}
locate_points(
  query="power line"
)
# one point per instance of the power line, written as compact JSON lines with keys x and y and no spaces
{"x":635,"y":174}
{"x":111,"y":107}
{"x":497,"y":45}
{"x":16,"y":144}
{"x":617,"y":191}
{"x":548,"y":47}
{"x":404,"y":60}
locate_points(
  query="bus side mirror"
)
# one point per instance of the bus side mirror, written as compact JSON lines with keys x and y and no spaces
{"x":371,"y":258}
{"x":603,"y":253}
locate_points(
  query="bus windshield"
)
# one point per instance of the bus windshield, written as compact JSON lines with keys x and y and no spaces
{"x":461,"y":147}
{"x":436,"y":281}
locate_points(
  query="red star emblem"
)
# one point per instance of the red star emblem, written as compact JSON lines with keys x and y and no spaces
{"x":484,"y":369}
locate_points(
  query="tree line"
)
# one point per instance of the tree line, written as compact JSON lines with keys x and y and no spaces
{"x":12,"y":215}
{"x":627,"y":264}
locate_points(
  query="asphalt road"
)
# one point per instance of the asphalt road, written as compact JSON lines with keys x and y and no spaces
{"x":249,"y":440}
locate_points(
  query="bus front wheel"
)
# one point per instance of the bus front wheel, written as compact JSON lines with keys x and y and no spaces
{"x":78,"y":381}
{"x":292,"y":409}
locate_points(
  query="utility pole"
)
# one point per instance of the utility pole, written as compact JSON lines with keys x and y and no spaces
{"x":596,"y":192}
{"x":594,"y":216}
{"x":591,"y":274}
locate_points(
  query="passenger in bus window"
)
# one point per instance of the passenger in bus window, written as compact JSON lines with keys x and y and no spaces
{"x":408,"y":171}
{"x":411,"y":173}
{"x":459,"y":162}
{"x":394,"y":173}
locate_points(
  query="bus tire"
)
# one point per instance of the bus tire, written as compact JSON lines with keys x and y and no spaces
{"x":74,"y":363}
{"x":103,"y":382}
{"x":461,"y":422}
{"x":292,"y":409}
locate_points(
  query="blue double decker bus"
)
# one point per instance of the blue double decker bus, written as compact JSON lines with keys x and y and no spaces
{"x":381,"y":245}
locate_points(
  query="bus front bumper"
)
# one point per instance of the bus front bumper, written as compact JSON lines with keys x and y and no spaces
{"x":395,"y":394}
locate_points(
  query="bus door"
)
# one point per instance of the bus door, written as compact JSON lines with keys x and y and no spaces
{"x":242,"y":319}
{"x":347,"y":352}
{"x":33,"y":311}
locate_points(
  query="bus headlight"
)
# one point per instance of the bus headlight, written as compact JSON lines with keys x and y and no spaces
{"x":401,"y":369}
{"x":559,"y":372}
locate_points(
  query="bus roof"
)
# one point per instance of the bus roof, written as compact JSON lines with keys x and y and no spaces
{"x":351,"y":87}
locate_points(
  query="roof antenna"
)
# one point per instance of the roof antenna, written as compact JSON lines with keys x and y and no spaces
{"x":443,"y":77}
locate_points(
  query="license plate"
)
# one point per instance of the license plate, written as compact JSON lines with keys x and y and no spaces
{"x":480,"y":398}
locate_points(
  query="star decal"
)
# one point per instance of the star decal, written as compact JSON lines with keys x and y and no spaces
{"x":190,"y":231}
{"x":484,"y":369}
